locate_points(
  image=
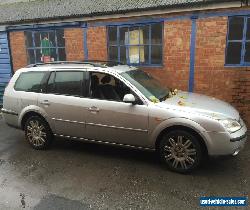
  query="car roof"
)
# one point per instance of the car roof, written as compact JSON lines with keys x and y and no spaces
{"x":88,"y":66}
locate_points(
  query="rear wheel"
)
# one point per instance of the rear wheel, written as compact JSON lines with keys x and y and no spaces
{"x":38,"y":133}
{"x":180,"y":151}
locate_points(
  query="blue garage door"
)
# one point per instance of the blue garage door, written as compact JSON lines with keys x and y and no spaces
{"x":5,"y":66}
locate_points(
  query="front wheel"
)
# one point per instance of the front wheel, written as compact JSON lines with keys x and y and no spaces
{"x":38,"y":133}
{"x":180,"y":151}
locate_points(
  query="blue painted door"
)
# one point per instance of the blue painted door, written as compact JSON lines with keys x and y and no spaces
{"x":5,"y":65}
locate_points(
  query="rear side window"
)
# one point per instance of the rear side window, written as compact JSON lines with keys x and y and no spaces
{"x":29,"y":81}
{"x":66,"y":83}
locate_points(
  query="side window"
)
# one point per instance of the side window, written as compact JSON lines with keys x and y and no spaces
{"x":238,"y":41}
{"x":106,"y":87}
{"x":29,"y":81}
{"x":235,"y":40}
{"x":66,"y":83}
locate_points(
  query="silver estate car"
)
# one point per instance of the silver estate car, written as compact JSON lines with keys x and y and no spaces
{"x":120,"y":105}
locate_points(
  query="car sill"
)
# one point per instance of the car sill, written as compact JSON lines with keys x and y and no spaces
{"x":104,"y":142}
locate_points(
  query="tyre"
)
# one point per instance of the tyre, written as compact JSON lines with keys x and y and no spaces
{"x":38,"y":133}
{"x":180,"y":151}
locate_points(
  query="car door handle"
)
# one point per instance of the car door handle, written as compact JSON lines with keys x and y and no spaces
{"x":93,"y":109}
{"x":45,"y":102}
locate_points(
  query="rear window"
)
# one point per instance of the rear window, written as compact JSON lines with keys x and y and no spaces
{"x":29,"y":81}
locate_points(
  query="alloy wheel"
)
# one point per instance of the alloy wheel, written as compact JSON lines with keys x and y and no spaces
{"x":180,"y":152}
{"x":36,"y":133}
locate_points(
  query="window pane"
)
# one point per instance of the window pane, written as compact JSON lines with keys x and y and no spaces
{"x":60,"y":38}
{"x":234,"y":53}
{"x":236,"y":25}
{"x":156,"y":54}
{"x":53,"y":56}
{"x":39,"y":57}
{"x":30,"y":81}
{"x":112,"y":34}
{"x":113,"y":53}
{"x":62,"y":54}
{"x":68,"y":83}
{"x":247,"y":55}
{"x":144,"y":58}
{"x":29,"y":40}
{"x":156,"y":33}
{"x":248,"y":29}
{"x":51,"y":38}
{"x":134,"y":36}
{"x":134,"y":56}
{"x":31,"y":56}
{"x":37,"y":39}
{"x":123,"y":57}
{"x":123,"y":34}
{"x":144,"y":38}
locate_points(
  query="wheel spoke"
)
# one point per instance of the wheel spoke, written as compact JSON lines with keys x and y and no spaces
{"x":191,"y":152}
{"x":183,"y":164}
{"x":190,"y":160}
{"x":32,"y":124}
{"x":32,"y":139}
{"x":41,"y":127}
{"x":36,"y":124}
{"x":172,"y":142}
{"x":29,"y":128}
{"x":175,"y":163}
{"x":179,"y":140}
{"x":187,"y":144}
{"x":43,"y":134}
{"x":42,"y":140}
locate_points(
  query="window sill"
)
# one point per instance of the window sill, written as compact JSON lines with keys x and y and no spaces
{"x":236,"y":66}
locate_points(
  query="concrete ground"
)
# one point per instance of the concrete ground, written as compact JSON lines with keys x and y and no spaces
{"x":75,"y":175}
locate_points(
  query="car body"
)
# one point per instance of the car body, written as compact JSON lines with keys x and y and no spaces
{"x":138,"y":120}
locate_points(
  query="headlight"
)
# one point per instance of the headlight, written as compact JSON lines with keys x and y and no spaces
{"x":231,"y":125}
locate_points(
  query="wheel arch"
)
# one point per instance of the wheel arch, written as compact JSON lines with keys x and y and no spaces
{"x":181,"y":124}
{"x":36,"y":111}
{"x":29,"y":114}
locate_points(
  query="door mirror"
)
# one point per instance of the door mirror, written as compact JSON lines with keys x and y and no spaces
{"x":129,"y":98}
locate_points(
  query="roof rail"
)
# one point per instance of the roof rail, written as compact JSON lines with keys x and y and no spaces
{"x":95,"y":63}
{"x":66,"y":62}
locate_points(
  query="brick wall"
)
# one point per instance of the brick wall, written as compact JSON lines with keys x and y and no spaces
{"x":211,"y":77}
{"x":97,"y":43}
{"x":176,"y":56}
{"x":74,"y":44}
{"x":18,"y":50}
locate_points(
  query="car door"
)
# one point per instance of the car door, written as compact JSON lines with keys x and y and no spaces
{"x":117,"y":122}
{"x":64,"y":104}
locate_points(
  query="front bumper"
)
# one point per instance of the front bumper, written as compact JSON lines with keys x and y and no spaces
{"x":224,"y":143}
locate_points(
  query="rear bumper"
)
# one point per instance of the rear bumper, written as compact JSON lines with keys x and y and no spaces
{"x":10,"y":117}
{"x":224,"y":143}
